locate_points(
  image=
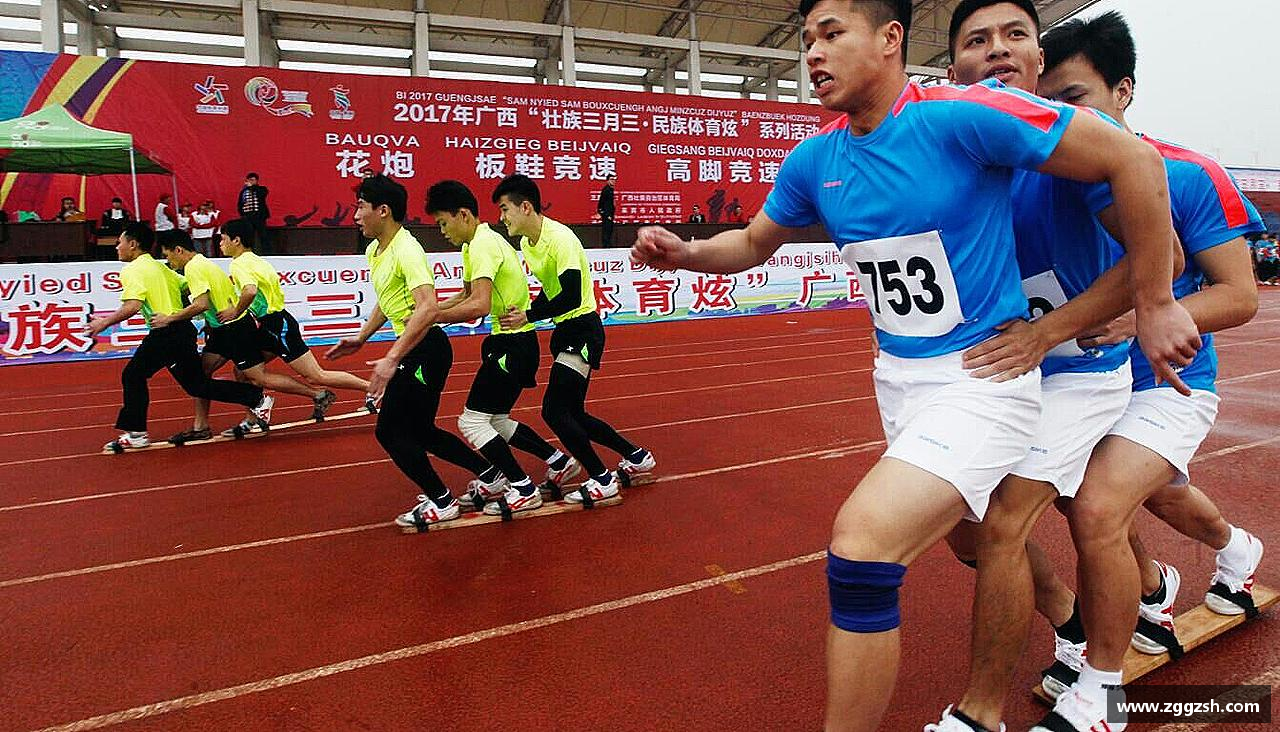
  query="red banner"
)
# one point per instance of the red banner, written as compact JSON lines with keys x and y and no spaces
{"x":311,"y":136}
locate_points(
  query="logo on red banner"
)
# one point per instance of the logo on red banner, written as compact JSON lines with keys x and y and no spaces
{"x":263,"y":92}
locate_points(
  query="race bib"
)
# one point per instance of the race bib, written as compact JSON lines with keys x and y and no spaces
{"x":908,"y":284}
{"x":1044,"y":294}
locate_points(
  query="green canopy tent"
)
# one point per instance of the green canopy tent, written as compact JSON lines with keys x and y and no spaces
{"x":50,"y":140}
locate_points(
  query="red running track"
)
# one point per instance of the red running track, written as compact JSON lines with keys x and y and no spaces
{"x":259,"y":585}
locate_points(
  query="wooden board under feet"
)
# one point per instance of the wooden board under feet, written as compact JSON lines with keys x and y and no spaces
{"x":1194,"y":628}
{"x":218,"y":437}
{"x":479,"y":518}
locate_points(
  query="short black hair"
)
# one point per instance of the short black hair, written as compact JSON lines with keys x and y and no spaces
{"x":1105,"y":42}
{"x":451,"y":196}
{"x":117,"y":199}
{"x":878,"y":12}
{"x":242,"y":230}
{"x":518,"y":189}
{"x":967,"y":8}
{"x":251,"y":175}
{"x":174,"y":238}
{"x":141,"y":234}
{"x":379,"y":190}
{"x":68,"y":198}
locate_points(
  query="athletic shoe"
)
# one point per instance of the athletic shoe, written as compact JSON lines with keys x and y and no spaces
{"x":516,"y":501}
{"x":427,"y":512}
{"x":565,"y":474}
{"x":1233,"y":586}
{"x":1074,"y":713}
{"x":129,"y":441}
{"x":954,"y":721}
{"x":1068,"y":659}
{"x":646,"y":464}
{"x":594,"y":488}
{"x":262,"y":412}
{"x":1158,"y":614}
{"x":321,"y":404}
{"x":246,"y":426}
{"x":486,"y":491}
{"x":191,"y":436}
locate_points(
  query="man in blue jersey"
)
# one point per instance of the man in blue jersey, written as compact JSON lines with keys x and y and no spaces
{"x":914,"y":185}
{"x":1063,"y":256}
{"x":1146,"y":454}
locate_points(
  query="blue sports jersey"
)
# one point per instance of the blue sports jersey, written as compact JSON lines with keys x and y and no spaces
{"x":1061,"y":251}
{"x":920,"y":208}
{"x":1208,"y":210}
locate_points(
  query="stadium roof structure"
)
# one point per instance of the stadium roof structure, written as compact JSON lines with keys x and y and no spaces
{"x":738,"y":47}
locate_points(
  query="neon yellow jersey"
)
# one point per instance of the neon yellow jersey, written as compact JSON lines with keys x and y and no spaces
{"x":489,"y":256}
{"x":203,"y":276}
{"x":157,"y":287}
{"x":559,"y":249}
{"x":250,"y":269}
{"x":396,"y":273}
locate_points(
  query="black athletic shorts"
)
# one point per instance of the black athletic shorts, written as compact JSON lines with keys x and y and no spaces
{"x":279,"y":333}
{"x":582,"y":336}
{"x":508,"y":365}
{"x":237,"y":342}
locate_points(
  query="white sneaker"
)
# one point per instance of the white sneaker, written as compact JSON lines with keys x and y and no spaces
{"x":516,"y":501}
{"x":129,"y":441}
{"x":951,"y":723}
{"x":1068,"y":659}
{"x":1159,"y":615}
{"x":595,"y":489}
{"x":427,"y":513}
{"x":262,"y":412}
{"x":487,"y":492}
{"x":646,"y":465}
{"x":1075,"y":712}
{"x":246,"y":426}
{"x":1232,"y":586}
{"x":565,"y":474}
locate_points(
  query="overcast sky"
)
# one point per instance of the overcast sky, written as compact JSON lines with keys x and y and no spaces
{"x":1207,"y":74}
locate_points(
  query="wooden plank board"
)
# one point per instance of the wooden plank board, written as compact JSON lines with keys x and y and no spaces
{"x":479,"y":518}
{"x":1194,"y":628}
{"x":165,"y":444}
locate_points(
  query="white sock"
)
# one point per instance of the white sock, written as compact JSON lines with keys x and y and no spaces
{"x":555,"y":456}
{"x":1236,"y":552}
{"x":1092,"y":684}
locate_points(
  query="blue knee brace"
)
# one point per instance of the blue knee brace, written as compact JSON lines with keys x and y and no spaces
{"x":864,"y":595}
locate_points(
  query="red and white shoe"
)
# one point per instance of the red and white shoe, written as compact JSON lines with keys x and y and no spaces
{"x":564,"y":475}
{"x":516,"y":501}
{"x":594,"y":488}
{"x":426,"y":513}
{"x":1158,"y":614}
{"x":1231,"y":592}
{"x":484,"y":492}
{"x":129,"y":441}
{"x":646,"y":464}
{"x":1073,"y":712}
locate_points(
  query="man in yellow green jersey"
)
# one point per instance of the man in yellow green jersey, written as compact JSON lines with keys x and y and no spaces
{"x":149,"y":287}
{"x":407,"y":381}
{"x":278,"y":332}
{"x":235,"y":340}
{"x":555,"y":256}
{"x":493,"y":280}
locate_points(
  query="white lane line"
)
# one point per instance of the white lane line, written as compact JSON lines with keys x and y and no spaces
{"x":18,"y":581}
{"x":399,"y":654}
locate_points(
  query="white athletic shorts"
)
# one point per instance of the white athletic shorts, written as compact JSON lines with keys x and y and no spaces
{"x":969,"y":432}
{"x":1169,"y":424}
{"x":1077,"y":411}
